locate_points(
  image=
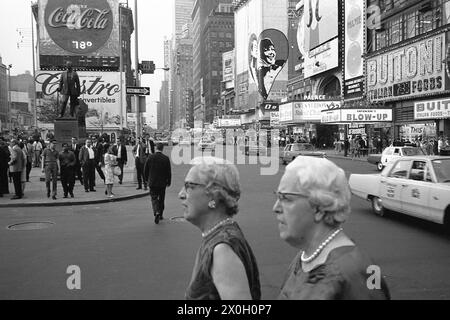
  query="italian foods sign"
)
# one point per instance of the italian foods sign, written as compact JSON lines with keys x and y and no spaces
{"x":409,"y":71}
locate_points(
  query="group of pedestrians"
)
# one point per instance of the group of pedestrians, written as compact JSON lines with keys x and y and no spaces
{"x":15,"y":166}
{"x":312,"y":203}
{"x":74,"y":162}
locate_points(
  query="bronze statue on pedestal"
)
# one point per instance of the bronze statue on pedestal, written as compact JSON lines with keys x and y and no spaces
{"x":69,"y":87}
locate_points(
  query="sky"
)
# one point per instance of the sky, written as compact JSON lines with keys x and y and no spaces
{"x":155,"y":22}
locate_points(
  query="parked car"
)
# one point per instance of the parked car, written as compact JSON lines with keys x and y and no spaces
{"x":255,"y":149}
{"x":164,"y":141}
{"x":376,"y":160}
{"x":185,"y":143}
{"x":293,"y":150}
{"x":207,"y":144}
{"x":393,"y":153}
{"x":418,"y":186}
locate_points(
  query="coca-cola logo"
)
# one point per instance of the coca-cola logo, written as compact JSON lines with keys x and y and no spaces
{"x":79,"y":26}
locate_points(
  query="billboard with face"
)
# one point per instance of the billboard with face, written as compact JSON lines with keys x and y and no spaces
{"x":273,"y":52}
{"x":254,"y":21}
{"x":99,"y":90}
{"x":79,"y":27}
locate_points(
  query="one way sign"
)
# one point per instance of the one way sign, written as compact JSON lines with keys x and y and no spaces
{"x":140,"y":91}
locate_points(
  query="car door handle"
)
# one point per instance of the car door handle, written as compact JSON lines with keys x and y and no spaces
{"x":405,"y":185}
{"x":383,"y":181}
{"x":435,"y":198}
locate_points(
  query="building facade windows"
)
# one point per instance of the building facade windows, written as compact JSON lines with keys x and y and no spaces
{"x":412,"y":22}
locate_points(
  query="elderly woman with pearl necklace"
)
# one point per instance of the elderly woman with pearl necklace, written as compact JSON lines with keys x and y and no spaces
{"x":225,"y":267}
{"x":313,"y":202}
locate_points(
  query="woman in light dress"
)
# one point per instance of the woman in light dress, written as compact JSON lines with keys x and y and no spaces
{"x":110,"y":163}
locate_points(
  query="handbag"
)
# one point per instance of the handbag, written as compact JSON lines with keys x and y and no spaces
{"x":117,"y":171}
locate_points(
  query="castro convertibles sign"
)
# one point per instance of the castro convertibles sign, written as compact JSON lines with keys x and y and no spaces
{"x":434,"y":109}
{"x":100,"y":91}
{"x":409,"y":71}
{"x":79,"y":27}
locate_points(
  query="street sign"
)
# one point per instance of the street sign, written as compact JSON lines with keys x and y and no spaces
{"x":140,"y":91}
{"x":147,"y":67}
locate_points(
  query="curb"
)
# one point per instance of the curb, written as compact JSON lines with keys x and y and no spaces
{"x":345,"y":158}
{"x":75,"y":203}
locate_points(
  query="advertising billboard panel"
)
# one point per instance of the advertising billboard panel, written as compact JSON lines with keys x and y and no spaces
{"x":366,"y":115}
{"x":100,"y":91}
{"x":354,"y":48}
{"x":321,"y":22}
{"x":256,"y":21}
{"x":87,"y":28}
{"x":317,"y":38}
{"x":432,"y":109}
{"x":312,"y":110}
{"x":410,"y":71}
{"x":286,"y":113}
{"x":228,"y":66}
{"x":322,"y":58}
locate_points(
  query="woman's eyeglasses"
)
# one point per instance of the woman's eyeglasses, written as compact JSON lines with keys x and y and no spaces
{"x":191,"y":185}
{"x":288,"y":196}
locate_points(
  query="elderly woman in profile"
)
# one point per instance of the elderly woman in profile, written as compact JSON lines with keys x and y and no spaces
{"x":225,"y":267}
{"x":313,"y":201}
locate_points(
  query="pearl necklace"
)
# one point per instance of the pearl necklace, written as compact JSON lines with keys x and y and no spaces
{"x":217,"y":225}
{"x":321,"y":247}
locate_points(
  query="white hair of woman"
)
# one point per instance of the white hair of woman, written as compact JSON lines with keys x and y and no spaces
{"x":326,"y":186}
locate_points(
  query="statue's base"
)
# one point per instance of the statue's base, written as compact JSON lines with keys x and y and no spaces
{"x":66,"y":129}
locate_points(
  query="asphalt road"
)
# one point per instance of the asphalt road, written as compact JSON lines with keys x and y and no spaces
{"x":122,"y":254}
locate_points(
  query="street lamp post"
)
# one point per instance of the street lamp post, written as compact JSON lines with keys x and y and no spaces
{"x":9,"y":119}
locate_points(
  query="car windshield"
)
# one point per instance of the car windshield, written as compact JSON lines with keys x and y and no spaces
{"x":413,"y":152}
{"x":300,"y":147}
{"x":442,"y":170}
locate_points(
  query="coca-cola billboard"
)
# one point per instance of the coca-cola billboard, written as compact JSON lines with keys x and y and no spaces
{"x":79,"y":27}
{"x":100,"y":91}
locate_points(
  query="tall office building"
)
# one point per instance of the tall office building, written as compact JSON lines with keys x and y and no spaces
{"x":164,"y":101}
{"x":213,"y":34}
{"x":183,"y":10}
{"x":181,"y":63}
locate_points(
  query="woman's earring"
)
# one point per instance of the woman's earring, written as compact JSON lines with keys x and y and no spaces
{"x":318,"y":216}
{"x":212,"y":204}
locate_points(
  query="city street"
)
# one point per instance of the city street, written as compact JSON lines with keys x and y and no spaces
{"x":122,"y":254}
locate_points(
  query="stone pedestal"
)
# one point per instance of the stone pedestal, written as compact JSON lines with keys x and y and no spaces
{"x":66,"y":128}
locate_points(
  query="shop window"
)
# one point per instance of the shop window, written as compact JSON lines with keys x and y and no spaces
{"x":396,"y":30}
{"x":426,"y":21}
{"x":411,"y":25}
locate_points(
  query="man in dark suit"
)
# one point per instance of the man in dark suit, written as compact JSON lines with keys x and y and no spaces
{"x":16,"y":165}
{"x":140,"y":157}
{"x":69,"y":87}
{"x":158,"y":173}
{"x":99,"y":152}
{"x":120,"y":151}
{"x":75,"y":148}
{"x":87,"y":159}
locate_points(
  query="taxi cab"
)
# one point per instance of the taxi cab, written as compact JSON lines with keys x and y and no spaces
{"x":418,"y":186}
{"x":392,"y":153}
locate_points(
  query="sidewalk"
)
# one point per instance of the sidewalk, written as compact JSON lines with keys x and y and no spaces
{"x":35,"y":192}
{"x":332,"y":154}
